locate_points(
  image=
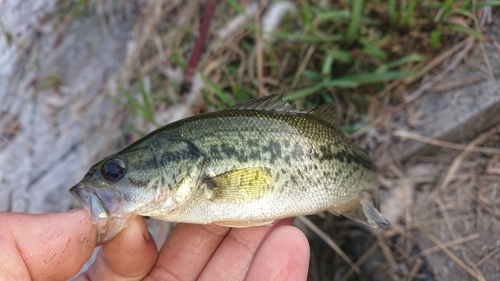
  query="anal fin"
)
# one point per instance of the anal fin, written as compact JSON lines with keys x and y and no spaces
{"x":242,"y":224}
{"x":361,"y":210}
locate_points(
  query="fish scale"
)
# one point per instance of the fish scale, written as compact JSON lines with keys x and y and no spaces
{"x":248,"y":165}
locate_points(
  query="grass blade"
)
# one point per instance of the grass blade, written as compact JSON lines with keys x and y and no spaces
{"x":391,"y":4}
{"x":377,"y":77}
{"x":465,"y":30}
{"x":330,"y":242}
{"x":147,"y":108}
{"x":304,"y":92}
{"x":219,"y":92}
{"x":400,"y":62}
{"x":486,"y":4}
{"x":357,"y":9}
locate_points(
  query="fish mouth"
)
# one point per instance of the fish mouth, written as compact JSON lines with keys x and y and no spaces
{"x":104,"y":210}
{"x":91,"y":201}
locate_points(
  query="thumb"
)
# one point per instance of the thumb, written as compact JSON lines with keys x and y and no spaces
{"x":45,"y":247}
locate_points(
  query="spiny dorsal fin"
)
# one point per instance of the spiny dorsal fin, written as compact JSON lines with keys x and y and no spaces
{"x":268,"y":103}
{"x":327,"y":113}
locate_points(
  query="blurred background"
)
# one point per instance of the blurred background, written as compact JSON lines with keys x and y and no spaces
{"x":414,"y":83}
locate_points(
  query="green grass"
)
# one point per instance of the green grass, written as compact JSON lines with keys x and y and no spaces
{"x":75,"y":8}
{"x":342,"y":51}
{"x":140,"y":104}
{"x":353,"y":45}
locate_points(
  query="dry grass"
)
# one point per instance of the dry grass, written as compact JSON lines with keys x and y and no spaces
{"x":373,"y":60}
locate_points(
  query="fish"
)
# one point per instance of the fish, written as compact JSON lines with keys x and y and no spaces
{"x":248,"y":165}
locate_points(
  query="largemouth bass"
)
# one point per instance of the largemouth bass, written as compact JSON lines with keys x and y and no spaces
{"x":248,"y":165}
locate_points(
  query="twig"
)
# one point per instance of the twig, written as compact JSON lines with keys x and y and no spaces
{"x":488,"y":206}
{"x":360,"y":261}
{"x":445,"y":249}
{"x":102,"y":17}
{"x":330,"y":243}
{"x":388,"y":253}
{"x":456,"y":163}
{"x":399,"y":230}
{"x":303,"y":65}
{"x":144,"y":32}
{"x":457,"y":83}
{"x":446,"y":144}
{"x":452,"y":170}
{"x":469,"y":42}
{"x":438,"y":60}
{"x":378,"y":120}
{"x":258,"y":51}
{"x":414,"y":269}
{"x":485,"y":17}
{"x":490,"y":168}
{"x":449,"y":244}
{"x":487,"y":257}
{"x":195,"y":56}
{"x":385,"y":250}
{"x":488,"y":63}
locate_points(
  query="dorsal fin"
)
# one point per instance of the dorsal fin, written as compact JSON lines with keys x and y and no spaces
{"x":268,"y":103}
{"x":327,"y":113}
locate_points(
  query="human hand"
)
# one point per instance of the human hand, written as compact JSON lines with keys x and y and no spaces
{"x":55,"y":247}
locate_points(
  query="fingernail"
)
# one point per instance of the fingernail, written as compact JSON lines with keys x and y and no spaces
{"x":147,"y":237}
{"x":145,"y":231}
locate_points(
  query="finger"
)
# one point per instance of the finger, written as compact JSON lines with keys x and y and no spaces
{"x":45,"y":247}
{"x":233,"y":257}
{"x":186,"y":251}
{"x":128,"y":256}
{"x":284,"y":255}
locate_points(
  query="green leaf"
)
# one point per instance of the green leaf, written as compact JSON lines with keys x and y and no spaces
{"x":311,"y":74}
{"x":352,"y":31}
{"x":236,"y":6}
{"x":486,"y":4}
{"x":391,"y":4}
{"x":306,"y":17}
{"x":241,"y":93}
{"x":373,"y":50}
{"x":304,"y":92}
{"x":377,"y":77}
{"x":341,"y":83}
{"x":146,"y":109}
{"x":219,"y":92}
{"x":465,"y":13}
{"x":400,"y":62}
{"x":349,"y":129}
{"x":465,"y":30}
{"x":435,"y":38}
{"x":335,"y":15}
{"x":342,"y":56}
{"x":327,"y":64}
{"x":306,"y":38}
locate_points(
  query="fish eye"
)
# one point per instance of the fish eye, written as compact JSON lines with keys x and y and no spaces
{"x":113,"y":170}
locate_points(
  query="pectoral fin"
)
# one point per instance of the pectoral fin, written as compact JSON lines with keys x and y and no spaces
{"x":240,"y":185}
{"x":361,"y":210}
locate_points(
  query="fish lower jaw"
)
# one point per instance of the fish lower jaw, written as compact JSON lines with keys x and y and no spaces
{"x":108,"y":228}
